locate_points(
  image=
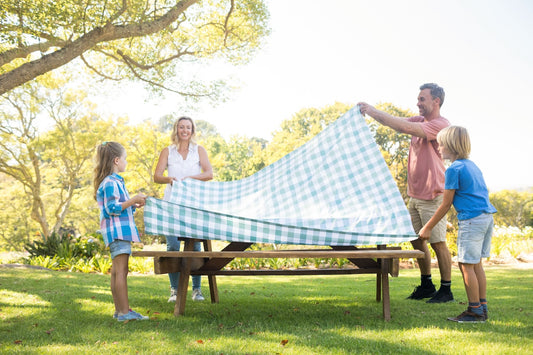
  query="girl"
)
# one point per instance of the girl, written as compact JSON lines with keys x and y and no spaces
{"x":183,"y":159}
{"x":465,"y":188}
{"x":116,"y":221}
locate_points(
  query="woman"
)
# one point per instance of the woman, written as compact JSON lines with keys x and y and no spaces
{"x":184,"y":159}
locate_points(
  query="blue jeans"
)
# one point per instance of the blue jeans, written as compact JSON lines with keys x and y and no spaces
{"x":173,"y":244}
{"x":119,"y":246}
{"x":473,"y":238}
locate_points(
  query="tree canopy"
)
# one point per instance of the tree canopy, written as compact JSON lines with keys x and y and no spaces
{"x":128,"y":39}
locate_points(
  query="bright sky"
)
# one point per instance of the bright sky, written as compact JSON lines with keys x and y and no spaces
{"x":320,"y":52}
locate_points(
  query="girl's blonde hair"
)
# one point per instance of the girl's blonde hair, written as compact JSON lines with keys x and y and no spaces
{"x":105,"y":155}
{"x":174,"y":136}
{"x":456,"y":140}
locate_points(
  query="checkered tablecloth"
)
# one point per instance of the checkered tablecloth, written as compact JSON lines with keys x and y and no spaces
{"x":334,"y":190}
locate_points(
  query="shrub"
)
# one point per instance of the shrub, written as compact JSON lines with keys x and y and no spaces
{"x":102,"y":264}
{"x":47,"y":246}
{"x":46,"y":261}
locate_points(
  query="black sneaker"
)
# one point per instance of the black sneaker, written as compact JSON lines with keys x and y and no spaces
{"x":441,"y":297}
{"x":468,"y":317}
{"x":422,"y":292}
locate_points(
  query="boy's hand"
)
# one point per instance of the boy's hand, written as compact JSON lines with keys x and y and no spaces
{"x":425,"y":233}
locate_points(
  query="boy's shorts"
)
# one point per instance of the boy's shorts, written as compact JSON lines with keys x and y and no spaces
{"x":118,"y":247}
{"x":473,"y":239}
{"x":421,"y":212}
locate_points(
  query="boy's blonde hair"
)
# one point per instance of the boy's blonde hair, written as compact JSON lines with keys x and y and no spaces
{"x":105,"y":155}
{"x":456,"y":140}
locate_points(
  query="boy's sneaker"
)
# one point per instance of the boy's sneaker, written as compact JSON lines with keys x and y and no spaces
{"x":197,"y":295}
{"x":468,"y":317}
{"x":485,"y":314}
{"x":441,"y":297}
{"x":422,"y":292}
{"x":173,"y":295}
{"x":131,"y":315}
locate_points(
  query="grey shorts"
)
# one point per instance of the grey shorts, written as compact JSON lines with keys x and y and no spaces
{"x":118,"y":247}
{"x":473,"y":239}
{"x":421,"y":212}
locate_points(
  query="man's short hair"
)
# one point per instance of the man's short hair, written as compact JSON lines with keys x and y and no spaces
{"x":435,"y":90}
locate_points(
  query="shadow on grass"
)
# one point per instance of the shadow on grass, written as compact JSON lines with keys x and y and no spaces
{"x":47,"y":311}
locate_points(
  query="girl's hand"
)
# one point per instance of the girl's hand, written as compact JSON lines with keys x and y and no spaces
{"x":139,"y":200}
{"x":425,"y":233}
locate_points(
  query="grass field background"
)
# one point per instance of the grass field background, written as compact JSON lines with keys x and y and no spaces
{"x":45,"y":311}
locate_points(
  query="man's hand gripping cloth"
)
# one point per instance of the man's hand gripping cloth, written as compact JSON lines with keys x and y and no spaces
{"x":334,"y":190}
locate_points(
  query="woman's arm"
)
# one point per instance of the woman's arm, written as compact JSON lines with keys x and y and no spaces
{"x":161,"y":167}
{"x":207,"y":169}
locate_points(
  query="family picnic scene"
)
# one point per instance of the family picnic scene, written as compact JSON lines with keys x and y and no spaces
{"x":134,"y":196}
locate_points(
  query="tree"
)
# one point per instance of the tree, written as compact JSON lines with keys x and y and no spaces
{"x":134,"y":39}
{"x":515,"y":208}
{"x":302,"y":127}
{"x":54,"y":165}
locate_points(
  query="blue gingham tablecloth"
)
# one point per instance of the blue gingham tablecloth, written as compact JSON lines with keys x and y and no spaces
{"x":334,"y":190}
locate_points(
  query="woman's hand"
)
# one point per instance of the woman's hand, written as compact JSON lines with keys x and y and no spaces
{"x":171,"y":180}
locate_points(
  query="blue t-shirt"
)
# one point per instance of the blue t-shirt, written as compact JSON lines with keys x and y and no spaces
{"x":471,"y":194}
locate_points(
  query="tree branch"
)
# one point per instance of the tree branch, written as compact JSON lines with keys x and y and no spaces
{"x":74,"y":49}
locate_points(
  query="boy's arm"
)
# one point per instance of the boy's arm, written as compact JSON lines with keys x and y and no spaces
{"x":447,"y":200}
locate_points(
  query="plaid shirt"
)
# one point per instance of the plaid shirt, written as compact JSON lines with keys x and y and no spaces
{"x":115,"y":223}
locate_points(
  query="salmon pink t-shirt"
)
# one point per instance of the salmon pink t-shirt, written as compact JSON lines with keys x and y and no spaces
{"x":425,"y":169}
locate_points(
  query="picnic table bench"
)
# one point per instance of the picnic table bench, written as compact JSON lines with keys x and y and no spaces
{"x":381,"y":260}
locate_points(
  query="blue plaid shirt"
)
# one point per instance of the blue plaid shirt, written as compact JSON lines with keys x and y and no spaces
{"x":115,"y":223}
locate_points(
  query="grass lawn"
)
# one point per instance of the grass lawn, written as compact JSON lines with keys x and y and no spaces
{"x":45,"y":311}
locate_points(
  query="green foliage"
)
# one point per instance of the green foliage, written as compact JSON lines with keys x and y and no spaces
{"x":48,"y":246}
{"x":511,"y":242}
{"x":102,"y":264}
{"x":302,"y":127}
{"x":65,"y":246}
{"x":46,"y":261}
{"x":515,"y":208}
{"x":154,"y":42}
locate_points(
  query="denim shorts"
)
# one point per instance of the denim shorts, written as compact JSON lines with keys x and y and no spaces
{"x":119,"y":246}
{"x":421,"y":212}
{"x":473,"y":239}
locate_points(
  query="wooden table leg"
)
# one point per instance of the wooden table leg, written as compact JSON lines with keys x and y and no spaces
{"x":385,"y":287}
{"x":213,"y":289}
{"x":183,"y":284}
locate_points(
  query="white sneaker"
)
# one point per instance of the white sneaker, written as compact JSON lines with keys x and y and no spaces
{"x":197,"y":295}
{"x":173,"y":295}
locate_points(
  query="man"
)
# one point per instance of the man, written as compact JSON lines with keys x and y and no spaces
{"x":425,"y":181}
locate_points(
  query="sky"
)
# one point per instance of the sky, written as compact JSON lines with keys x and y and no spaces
{"x":322,"y":52}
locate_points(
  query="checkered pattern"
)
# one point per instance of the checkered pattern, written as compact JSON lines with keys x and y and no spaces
{"x":334,"y":190}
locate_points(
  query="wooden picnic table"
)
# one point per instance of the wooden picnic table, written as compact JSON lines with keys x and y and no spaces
{"x":381,"y":260}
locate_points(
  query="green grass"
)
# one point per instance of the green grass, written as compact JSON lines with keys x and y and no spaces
{"x":45,"y":311}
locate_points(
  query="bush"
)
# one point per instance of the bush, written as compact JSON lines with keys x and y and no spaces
{"x":66,"y":246}
{"x":50,"y":246}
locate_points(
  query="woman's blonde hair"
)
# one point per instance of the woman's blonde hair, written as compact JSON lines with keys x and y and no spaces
{"x":456,"y":140}
{"x":174,"y":136}
{"x":105,"y":155}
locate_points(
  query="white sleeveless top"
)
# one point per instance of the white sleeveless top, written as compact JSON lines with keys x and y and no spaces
{"x":179,"y":168}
